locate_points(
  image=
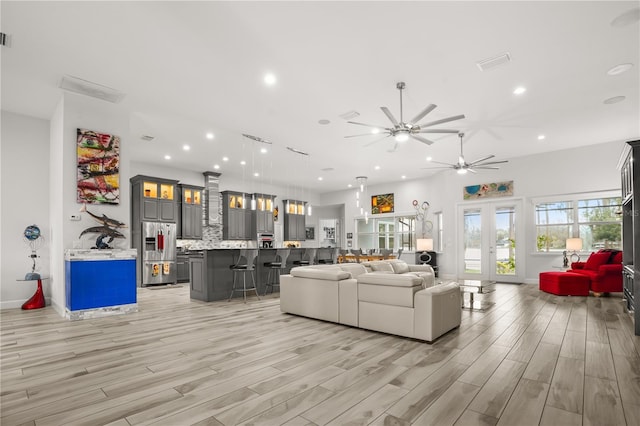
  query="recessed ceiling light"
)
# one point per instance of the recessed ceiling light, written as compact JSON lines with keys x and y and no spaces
{"x":319,"y":177}
{"x":349,"y":186}
{"x":167,"y":157}
{"x":429,"y":158}
{"x":519,"y":90}
{"x":619,"y":69}
{"x":377,"y":167}
{"x":270,"y":79}
{"x":210,"y":136}
{"x":375,"y":131}
{"x":324,"y":122}
{"x":541,"y":137}
{"x":256,"y":174}
{"x":225,"y":158}
{"x":242,"y":163}
{"x":186,"y":147}
{"x":403,"y":177}
{"x":216,"y":166}
{"x":614,"y":100}
{"x":263,"y":150}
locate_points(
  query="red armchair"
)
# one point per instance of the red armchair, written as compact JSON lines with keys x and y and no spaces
{"x":604,"y":268}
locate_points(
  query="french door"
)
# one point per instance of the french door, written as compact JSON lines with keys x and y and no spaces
{"x":491,"y":241}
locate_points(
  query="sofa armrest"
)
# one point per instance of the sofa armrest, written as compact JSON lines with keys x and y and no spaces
{"x":421,"y":268}
{"x":610,"y":269}
{"x":437,"y":310}
{"x":321,"y":274}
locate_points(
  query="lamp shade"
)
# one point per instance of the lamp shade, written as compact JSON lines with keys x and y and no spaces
{"x":574,"y":244}
{"x":424,"y":244}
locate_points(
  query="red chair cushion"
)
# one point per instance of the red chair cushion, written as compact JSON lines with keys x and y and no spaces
{"x":617,"y":258}
{"x":596,"y":260}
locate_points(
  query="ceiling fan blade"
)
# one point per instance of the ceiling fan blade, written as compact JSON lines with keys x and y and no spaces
{"x":424,"y":112}
{"x":389,"y":116}
{"x":486,"y":168}
{"x":434,"y":168}
{"x":394,"y":148}
{"x":438,"y":131}
{"x":444,"y":120}
{"x":368,"y":125}
{"x":362,"y":134}
{"x":471,"y":170}
{"x":440,"y":162}
{"x":492,"y":162}
{"x":376,"y":141}
{"x":482,"y":159}
{"x":421,"y":139}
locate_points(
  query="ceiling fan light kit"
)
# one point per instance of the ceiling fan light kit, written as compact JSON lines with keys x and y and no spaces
{"x":403,"y":131}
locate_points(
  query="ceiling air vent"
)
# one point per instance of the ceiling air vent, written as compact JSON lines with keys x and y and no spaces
{"x":349,"y":115}
{"x":487,"y":64}
{"x":88,"y":88}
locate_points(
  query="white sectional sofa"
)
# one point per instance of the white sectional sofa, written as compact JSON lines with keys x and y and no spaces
{"x":397,"y":298}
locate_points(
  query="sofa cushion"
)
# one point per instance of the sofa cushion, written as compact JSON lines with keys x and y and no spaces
{"x":391,"y":280}
{"x":596,"y":260}
{"x":355,"y":269}
{"x":381,"y":267}
{"x":329,"y":274}
{"x":400,"y":267}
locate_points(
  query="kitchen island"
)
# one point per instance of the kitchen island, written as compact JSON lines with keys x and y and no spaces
{"x":211,"y":277}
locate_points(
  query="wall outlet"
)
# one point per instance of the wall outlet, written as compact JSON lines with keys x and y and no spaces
{"x":75,"y":217}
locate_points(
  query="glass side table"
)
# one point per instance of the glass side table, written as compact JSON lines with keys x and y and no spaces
{"x":37,"y":300}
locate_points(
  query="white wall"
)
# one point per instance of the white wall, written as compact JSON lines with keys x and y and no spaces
{"x":24,"y":201}
{"x":587,"y":169}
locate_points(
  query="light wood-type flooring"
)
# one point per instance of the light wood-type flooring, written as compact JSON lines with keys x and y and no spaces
{"x":531,"y":359}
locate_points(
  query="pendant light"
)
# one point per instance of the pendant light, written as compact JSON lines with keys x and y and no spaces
{"x":362,"y":194}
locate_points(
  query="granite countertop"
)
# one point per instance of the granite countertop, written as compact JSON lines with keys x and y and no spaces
{"x":95,"y":254}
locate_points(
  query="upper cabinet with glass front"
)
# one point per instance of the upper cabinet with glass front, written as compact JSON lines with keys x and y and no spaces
{"x":154,"y":199}
{"x":190,"y":212}
{"x":263,"y":216}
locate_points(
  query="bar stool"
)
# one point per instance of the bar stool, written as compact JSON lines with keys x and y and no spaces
{"x":357,"y":253}
{"x":399,"y":254}
{"x":275,"y":269}
{"x":343,"y":256}
{"x":308,"y":258}
{"x":385,"y":253}
{"x":244,"y":265}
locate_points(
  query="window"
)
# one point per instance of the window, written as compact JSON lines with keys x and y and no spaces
{"x":386,"y":233}
{"x":595,"y":220}
{"x":439,"y":245}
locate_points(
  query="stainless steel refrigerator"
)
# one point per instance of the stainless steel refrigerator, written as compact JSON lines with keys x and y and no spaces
{"x":159,"y":253}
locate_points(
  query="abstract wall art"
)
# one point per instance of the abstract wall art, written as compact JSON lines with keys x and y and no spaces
{"x":488,"y":190}
{"x":98,"y":163}
{"x":382,"y":203}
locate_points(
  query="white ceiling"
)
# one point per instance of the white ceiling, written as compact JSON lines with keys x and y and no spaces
{"x":192,"y":67}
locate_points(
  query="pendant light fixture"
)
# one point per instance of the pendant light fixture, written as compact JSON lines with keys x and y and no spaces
{"x":361,"y":193}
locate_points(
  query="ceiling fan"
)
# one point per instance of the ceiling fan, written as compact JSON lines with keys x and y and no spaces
{"x":401,"y":130}
{"x":463,"y":167}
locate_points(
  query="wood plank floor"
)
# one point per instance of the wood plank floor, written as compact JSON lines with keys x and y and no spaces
{"x":532,"y":358}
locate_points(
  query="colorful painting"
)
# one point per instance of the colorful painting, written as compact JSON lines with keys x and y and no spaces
{"x":98,"y":167}
{"x":488,"y":190}
{"x":382,"y":203}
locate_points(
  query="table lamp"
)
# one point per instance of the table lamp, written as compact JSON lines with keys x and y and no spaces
{"x":424,"y":244}
{"x":574,"y":245}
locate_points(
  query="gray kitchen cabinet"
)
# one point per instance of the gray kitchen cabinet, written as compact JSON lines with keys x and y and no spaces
{"x":294,"y":220}
{"x":153,"y":199}
{"x":262,"y":216}
{"x":198,"y":288}
{"x":236,"y":218}
{"x":190,"y":212}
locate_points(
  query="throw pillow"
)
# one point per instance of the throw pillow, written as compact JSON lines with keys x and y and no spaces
{"x":617,"y":258}
{"x":400,"y":267}
{"x":596,"y":260}
{"x":381,"y":267}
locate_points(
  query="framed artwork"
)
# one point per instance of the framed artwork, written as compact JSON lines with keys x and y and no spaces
{"x":310,"y":233}
{"x":382,"y":203}
{"x":349,"y":235}
{"x":98,"y":167}
{"x":488,"y":190}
